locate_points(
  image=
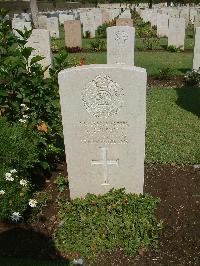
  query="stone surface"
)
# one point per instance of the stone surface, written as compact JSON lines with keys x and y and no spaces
{"x":162,"y":25}
{"x":65,"y":17}
{"x":42,"y":22}
{"x":105,"y":16}
{"x":196,"y":56}
{"x":88,"y":21}
{"x":73,"y":36}
{"x":40,"y":41}
{"x":53,"y":27}
{"x":120,"y":45}
{"x":104,"y":118}
{"x":124,"y":22}
{"x":197,"y":21}
{"x":176,"y":34}
{"x":20,"y":25}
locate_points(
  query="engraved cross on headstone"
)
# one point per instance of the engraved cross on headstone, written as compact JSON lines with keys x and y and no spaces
{"x":105,"y":162}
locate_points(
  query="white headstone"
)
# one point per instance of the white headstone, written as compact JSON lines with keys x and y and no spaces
{"x":162,"y":25}
{"x":65,"y":17}
{"x":120,"y":45}
{"x":42,"y":22}
{"x":176,"y":34}
{"x":103,"y":116}
{"x":196,"y":57}
{"x":53,"y":27}
{"x":40,"y":41}
{"x":20,"y":25}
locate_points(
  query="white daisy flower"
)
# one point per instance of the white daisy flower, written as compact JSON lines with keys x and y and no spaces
{"x":9,"y":177}
{"x":22,"y":104}
{"x":15,"y":216}
{"x":22,"y":120}
{"x":32,"y":203}
{"x":2,"y":192}
{"x":23,"y":182}
{"x":25,"y":116}
{"x":13,"y":171}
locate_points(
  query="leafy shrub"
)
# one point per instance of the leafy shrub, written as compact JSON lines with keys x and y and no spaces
{"x":54,"y":47}
{"x":165,"y":73}
{"x":101,"y":30}
{"x":192,"y":77}
{"x":18,"y":150}
{"x":145,"y":31}
{"x":97,"y":45}
{"x":174,"y":49}
{"x":136,"y":18}
{"x":115,"y":220}
{"x":26,"y":95}
{"x":151,"y":43}
{"x":61,"y":183}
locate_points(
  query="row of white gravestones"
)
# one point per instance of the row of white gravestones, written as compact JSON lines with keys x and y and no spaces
{"x":196,"y":56}
{"x":50,"y":24}
{"x":173,"y":28}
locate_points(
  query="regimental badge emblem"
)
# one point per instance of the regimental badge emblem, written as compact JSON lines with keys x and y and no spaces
{"x":102,"y":97}
{"x":121,"y":37}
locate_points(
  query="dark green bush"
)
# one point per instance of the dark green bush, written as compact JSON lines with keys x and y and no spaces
{"x":113,"y":221}
{"x":165,"y":73}
{"x":101,"y":30}
{"x":26,"y":95}
{"x":97,"y":45}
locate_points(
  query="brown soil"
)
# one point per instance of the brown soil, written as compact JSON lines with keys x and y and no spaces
{"x":179,"y":242}
{"x":175,"y":82}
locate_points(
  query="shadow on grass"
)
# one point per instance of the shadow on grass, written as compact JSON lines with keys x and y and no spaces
{"x":20,"y":246}
{"x":189,"y":99}
{"x":184,"y":70}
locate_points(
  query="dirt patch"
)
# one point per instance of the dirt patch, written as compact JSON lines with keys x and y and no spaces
{"x":178,"y":187}
{"x":173,"y":82}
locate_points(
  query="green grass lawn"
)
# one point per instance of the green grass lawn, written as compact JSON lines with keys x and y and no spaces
{"x":152,"y":61}
{"x":173,"y":126}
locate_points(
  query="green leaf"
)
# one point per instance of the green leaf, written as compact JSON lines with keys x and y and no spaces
{"x":36,"y":59}
{"x":3,"y":93}
{"x":26,"y":52}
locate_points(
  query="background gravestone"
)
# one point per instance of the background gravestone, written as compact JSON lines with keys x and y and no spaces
{"x":20,"y":25}
{"x":124,"y":22}
{"x":53,"y":27}
{"x":162,"y":25}
{"x":176,"y":33}
{"x":42,"y":22}
{"x":196,"y":57}
{"x":104,"y":117}
{"x":73,"y":36}
{"x":120,"y":45}
{"x":40,"y":41}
